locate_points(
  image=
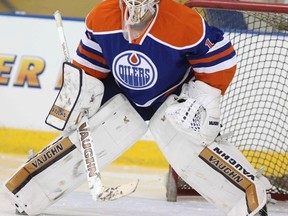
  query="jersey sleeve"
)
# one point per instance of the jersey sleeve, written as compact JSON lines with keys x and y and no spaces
{"x":90,"y":58}
{"x":216,"y":66}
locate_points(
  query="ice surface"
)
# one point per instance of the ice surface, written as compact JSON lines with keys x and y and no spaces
{"x":148,"y":200}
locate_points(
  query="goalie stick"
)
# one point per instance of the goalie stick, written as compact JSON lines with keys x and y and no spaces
{"x":97,"y":190}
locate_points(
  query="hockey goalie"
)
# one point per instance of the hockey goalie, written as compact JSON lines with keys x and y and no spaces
{"x":142,"y":61}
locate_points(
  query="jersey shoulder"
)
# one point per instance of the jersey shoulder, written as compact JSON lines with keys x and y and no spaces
{"x":178,"y":25}
{"x":105,"y":16}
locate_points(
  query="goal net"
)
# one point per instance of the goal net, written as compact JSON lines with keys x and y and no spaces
{"x":255,"y":106}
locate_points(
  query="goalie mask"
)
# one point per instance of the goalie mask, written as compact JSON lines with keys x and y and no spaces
{"x":136,"y":16}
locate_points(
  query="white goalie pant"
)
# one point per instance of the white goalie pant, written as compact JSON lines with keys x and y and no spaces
{"x":58,"y":169}
{"x":219,"y":172}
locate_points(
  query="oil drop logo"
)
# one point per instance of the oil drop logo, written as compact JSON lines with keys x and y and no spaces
{"x":134,"y":70}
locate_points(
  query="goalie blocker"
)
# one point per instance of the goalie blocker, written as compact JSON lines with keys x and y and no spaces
{"x":218,"y":171}
{"x":59,"y":169}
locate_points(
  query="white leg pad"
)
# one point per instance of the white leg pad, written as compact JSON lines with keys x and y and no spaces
{"x":219,"y":172}
{"x":58,"y":169}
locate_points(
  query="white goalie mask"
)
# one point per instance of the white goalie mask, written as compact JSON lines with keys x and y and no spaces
{"x":135,"y":10}
{"x":136,"y":16}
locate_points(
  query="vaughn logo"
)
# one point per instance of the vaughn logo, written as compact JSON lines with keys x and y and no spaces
{"x":86,"y":143}
{"x":230,"y":160}
{"x":214,"y":123}
{"x":134,"y":70}
{"x":48,"y":155}
{"x":226,"y":164}
{"x":59,"y":112}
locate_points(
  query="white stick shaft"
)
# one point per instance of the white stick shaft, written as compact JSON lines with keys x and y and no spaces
{"x":89,"y":157}
{"x":59,"y":24}
{"x":83,"y":129}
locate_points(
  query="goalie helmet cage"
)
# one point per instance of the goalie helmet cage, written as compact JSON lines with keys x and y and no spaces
{"x":255,"y":106}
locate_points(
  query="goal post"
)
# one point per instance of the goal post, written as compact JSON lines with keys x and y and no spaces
{"x":255,"y":106}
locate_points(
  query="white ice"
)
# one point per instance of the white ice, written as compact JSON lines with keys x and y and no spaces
{"x":148,"y":200}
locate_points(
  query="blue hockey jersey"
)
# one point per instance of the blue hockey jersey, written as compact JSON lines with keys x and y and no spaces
{"x":177,"y":41}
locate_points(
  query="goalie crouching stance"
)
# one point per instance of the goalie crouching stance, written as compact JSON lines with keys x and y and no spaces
{"x":135,"y":72}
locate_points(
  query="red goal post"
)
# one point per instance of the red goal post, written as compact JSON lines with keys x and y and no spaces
{"x":255,"y":106}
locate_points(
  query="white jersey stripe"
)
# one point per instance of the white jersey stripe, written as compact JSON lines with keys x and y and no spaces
{"x":88,"y":64}
{"x":220,"y":44}
{"x":219,"y":67}
{"x":91,"y":44}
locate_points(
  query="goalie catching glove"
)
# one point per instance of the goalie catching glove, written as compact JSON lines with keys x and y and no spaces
{"x":79,"y":93}
{"x":197,"y":111}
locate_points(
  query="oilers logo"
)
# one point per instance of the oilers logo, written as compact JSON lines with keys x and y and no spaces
{"x":134,"y":70}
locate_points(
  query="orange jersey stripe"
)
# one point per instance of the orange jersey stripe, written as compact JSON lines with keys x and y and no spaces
{"x":91,"y":55}
{"x":91,"y":72}
{"x":214,"y":57}
{"x":220,"y":79}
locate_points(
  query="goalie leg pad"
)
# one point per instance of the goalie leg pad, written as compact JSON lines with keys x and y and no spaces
{"x":59,"y":169}
{"x":219,"y":172}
